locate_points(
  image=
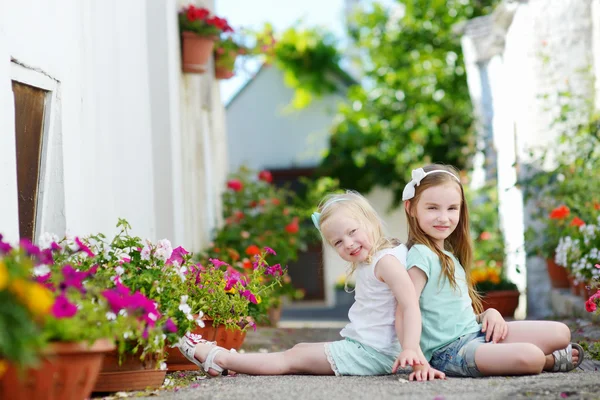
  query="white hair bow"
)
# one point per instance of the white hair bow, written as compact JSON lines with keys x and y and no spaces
{"x":417,"y":176}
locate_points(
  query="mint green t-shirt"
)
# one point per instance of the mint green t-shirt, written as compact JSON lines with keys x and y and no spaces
{"x":447,"y":313}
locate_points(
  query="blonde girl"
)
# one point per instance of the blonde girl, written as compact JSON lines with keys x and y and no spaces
{"x":458,"y":338}
{"x":350,"y":225}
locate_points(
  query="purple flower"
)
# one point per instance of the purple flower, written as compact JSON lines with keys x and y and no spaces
{"x":83,"y":248}
{"x":170,"y":326}
{"x":216,"y":262}
{"x":55,"y":247}
{"x":45,"y":281}
{"x":248,"y":294}
{"x":177,"y":256}
{"x":30,"y":248}
{"x":73,"y":278}
{"x":115,"y":300}
{"x":63,"y":308}
{"x":274,"y":270}
{"x":5,"y":248}
{"x":270,"y":250}
{"x":45,"y":257}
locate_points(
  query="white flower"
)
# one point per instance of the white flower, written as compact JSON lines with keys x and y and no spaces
{"x":184,"y":298}
{"x":163,"y":250}
{"x":184,"y":308}
{"x":126,"y":335}
{"x":200,"y":322}
{"x":41,"y":269}
{"x":145,"y":254}
{"x":119,"y":270}
{"x":46,"y":240}
{"x":123,"y":312}
{"x":163,"y":366}
{"x":152,"y":316}
{"x":111,"y":316}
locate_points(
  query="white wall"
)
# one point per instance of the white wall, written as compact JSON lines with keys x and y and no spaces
{"x":121,"y":120}
{"x":262,"y":133}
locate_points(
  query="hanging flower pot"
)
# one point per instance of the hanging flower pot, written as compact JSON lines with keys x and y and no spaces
{"x":67,"y":371}
{"x":196,"y":52}
{"x":199,"y":30}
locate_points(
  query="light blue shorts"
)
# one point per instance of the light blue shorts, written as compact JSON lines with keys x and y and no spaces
{"x":349,"y":357}
{"x":457,"y":358}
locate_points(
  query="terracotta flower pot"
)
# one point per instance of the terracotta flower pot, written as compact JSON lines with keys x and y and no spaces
{"x":132,"y":373}
{"x":177,"y":361}
{"x":230,"y":339}
{"x":505,"y":301}
{"x":558,"y":274}
{"x":196,"y":51}
{"x":223,"y":73}
{"x":68,"y":371}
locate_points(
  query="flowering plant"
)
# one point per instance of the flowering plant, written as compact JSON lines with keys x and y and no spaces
{"x":226,"y":51}
{"x":579,"y":247}
{"x":235,"y":298}
{"x":200,"y":22}
{"x":257,"y":215}
{"x":592,"y":303}
{"x":487,"y":273}
{"x":44,"y":301}
{"x":154,"y":270}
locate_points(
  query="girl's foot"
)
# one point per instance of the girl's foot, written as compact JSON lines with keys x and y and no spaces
{"x":202,"y":353}
{"x":567,"y":359}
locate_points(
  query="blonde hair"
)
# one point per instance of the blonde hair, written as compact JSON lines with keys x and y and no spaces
{"x":358,"y":208}
{"x":459,"y":241}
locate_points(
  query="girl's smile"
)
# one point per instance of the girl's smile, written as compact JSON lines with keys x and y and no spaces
{"x":347,"y":236}
{"x":438,"y":211}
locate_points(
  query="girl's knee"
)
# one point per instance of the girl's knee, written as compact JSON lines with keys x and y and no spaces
{"x":531,"y":360}
{"x":563,"y":335}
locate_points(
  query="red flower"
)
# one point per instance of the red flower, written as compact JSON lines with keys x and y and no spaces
{"x":596,"y":206}
{"x":253,"y":203}
{"x":485,"y":236}
{"x":577,"y":222}
{"x":275,"y":201}
{"x":590,"y":305}
{"x":560,"y":212}
{"x":265,"y":176}
{"x":235,"y":185}
{"x":239,"y":215}
{"x":252,"y":250}
{"x":262,"y":202}
{"x":246,"y":264}
{"x":293,"y":226}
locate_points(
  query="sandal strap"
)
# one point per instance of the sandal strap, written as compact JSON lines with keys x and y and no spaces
{"x":209,"y":363}
{"x":563,"y":358}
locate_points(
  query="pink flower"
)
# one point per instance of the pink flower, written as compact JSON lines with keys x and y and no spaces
{"x":170,"y":326}
{"x":83,"y":248}
{"x":216,"y":262}
{"x":597,"y":266}
{"x":63,"y":308}
{"x":270,"y":250}
{"x":265,"y":176}
{"x":177,"y":255}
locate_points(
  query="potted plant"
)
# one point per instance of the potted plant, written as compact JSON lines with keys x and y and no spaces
{"x":495,"y":289}
{"x":199,"y":31}
{"x":59,"y":322}
{"x":226,"y":51}
{"x":258,"y":214}
{"x":155,"y":271}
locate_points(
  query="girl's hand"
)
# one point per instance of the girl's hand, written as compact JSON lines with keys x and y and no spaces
{"x":425,"y":373}
{"x":494,"y":326}
{"x":407,"y":357}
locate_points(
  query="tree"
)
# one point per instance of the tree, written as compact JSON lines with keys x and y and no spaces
{"x":414,"y":107}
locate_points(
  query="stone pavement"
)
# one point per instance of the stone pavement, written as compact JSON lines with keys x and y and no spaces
{"x":583,"y":383}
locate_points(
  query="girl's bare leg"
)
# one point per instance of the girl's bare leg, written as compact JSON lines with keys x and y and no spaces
{"x":303,"y":358}
{"x":547,"y":335}
{"x":509,"y":359}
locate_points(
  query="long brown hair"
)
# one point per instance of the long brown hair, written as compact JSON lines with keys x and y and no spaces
{"x":459,"y":241}
{"x":361,"y":210}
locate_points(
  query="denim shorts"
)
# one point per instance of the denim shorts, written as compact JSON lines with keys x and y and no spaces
{"x":349,"y":357}
{"x":457,"y":358}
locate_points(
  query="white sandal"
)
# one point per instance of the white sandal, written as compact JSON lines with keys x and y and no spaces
{"x":187,"y":346}
{"x":563,"y":359}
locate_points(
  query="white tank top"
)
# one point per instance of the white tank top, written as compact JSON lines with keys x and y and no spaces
{"x":373,"y":313}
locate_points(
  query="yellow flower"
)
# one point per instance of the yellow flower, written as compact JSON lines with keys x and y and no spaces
{"x":3,"y":367}
{"x":258,"y":299}
{"x":478,"y":275}
{"x":3,"y":275}
{"x":36,"y":297}
{"x":39,"y":299}
{"x":232,"y":290}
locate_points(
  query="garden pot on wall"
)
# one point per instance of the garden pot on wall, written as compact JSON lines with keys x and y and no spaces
{"x":68,"y":371}
{"x":505,"y":301}
{"x":224,"y":67}
{"x":559,"y":277}
{"x":132,"y":373}
{"x":196,"y":51}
